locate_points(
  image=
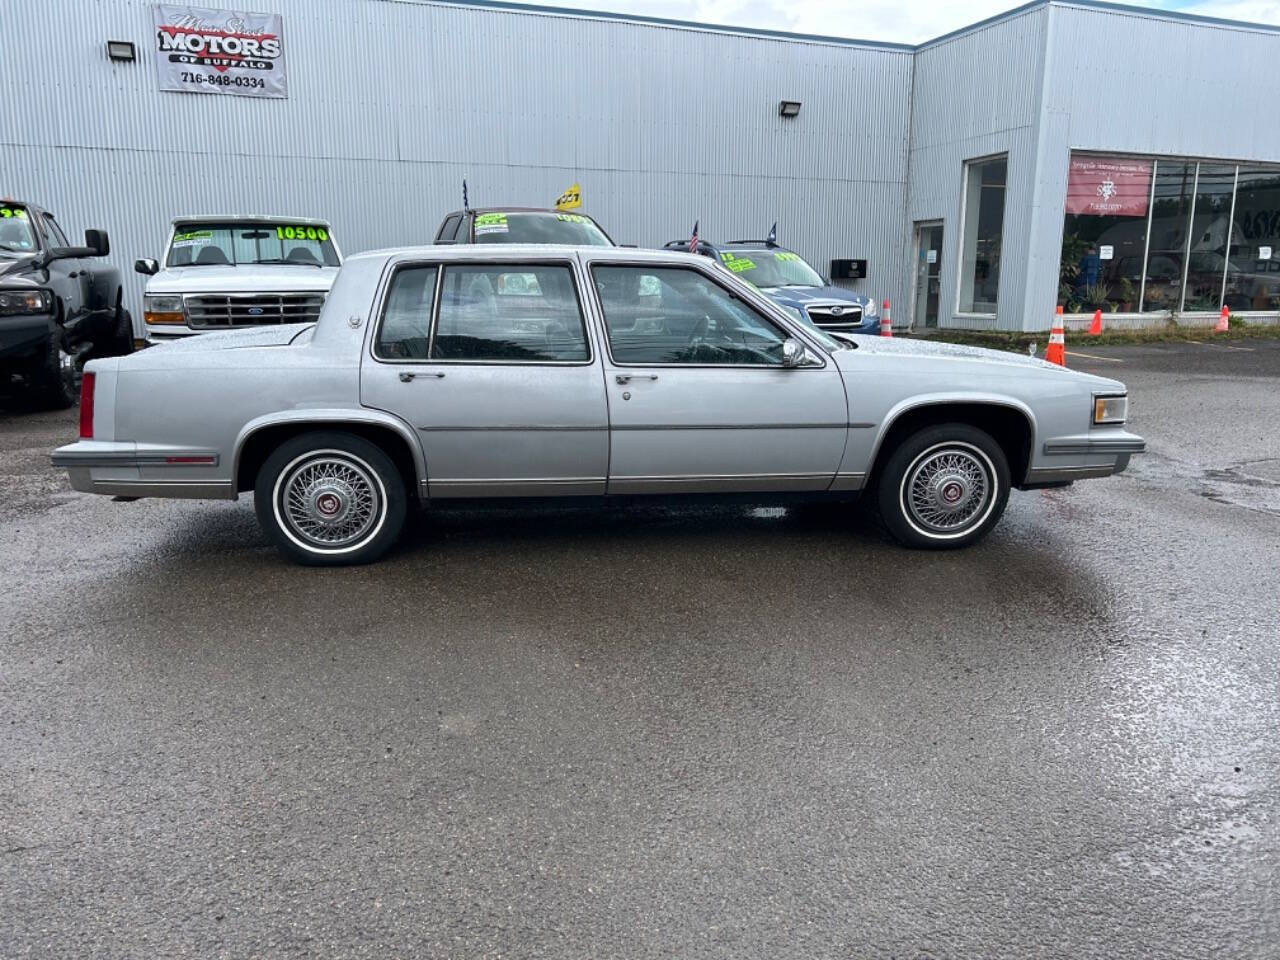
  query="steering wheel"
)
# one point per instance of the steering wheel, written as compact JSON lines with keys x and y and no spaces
{"x":698,"y":332}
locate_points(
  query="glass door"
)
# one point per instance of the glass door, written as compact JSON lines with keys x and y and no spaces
{"x":928,"y":274}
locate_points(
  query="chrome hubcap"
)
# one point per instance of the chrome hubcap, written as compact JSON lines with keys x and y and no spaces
{"x":947,"y":490}
{"x":330,"y":501}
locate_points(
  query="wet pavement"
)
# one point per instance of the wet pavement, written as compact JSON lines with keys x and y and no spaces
{"x":696,"y":733}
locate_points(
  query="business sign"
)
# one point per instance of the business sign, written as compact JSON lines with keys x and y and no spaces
{"x":199,"y":50}
{"x":1104,"y":186}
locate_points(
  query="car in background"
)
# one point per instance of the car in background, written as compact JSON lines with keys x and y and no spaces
{"x":60,"y":306}
{"x":522,"y":225}
{"x":785,"y":277}
{"x":439,"y":374}
{"x":226,"y":272}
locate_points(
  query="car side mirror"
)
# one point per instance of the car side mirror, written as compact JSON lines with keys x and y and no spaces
{"x":96,"y":240}
{"x":793,"y":353}
{"x":146,"y":266}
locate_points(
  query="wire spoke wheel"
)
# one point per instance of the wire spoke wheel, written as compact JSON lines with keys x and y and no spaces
{"x":949,"y":489}
{"x":330,"y":500}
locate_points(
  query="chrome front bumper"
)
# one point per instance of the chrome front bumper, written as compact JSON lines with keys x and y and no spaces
{"x":1083,"y":457}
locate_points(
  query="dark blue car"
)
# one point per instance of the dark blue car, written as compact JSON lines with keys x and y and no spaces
{"x":784,"y":277}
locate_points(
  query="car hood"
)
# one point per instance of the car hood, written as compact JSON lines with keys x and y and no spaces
{"x":932,"y":350}
{"x":16,"y":271}
{"x":257,"y":278}
{"x":279,"y":335}
{"x":805,"y":295}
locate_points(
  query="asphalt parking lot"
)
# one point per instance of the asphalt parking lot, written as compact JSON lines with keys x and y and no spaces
{"x":698,"y":733}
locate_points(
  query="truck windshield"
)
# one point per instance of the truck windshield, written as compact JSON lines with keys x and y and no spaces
{"x":561,"y":228}
{"x":296,"y":244}
{"x":16,"y":235}
{"x":771,"y":268}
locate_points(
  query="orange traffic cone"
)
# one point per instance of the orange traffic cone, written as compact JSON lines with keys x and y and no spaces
{"x":1056,"y":352}
{"x":1095,"y":328}
{"x":1223,"y":325}
{"x":886,"y":327}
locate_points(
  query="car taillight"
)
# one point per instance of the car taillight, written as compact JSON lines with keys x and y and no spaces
{"x":86,"y":406}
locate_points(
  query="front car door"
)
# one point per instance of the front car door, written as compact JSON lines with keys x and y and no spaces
{"x":699,"y":399}
{"x":492,"y":363}
{"x":69,"y":277}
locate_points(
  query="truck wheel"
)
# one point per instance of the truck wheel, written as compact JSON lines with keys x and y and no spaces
{"x":330,"y":499}
{"x":122,"y":342}
{"x":943,"y":487}
{"x":53,"y":380}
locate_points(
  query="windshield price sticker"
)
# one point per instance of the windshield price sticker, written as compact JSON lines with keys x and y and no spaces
{"x":11,"y":213}
{"x":571,"y":217}
{"x":192,"y":238}
{"x":491,"y":223}
{"x":317,"y":234}
{"x":737,"y":264}
{"x":787,"y":255}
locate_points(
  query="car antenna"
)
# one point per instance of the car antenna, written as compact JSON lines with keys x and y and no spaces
{"x":772,"y":239}
{"x":466,"y":206}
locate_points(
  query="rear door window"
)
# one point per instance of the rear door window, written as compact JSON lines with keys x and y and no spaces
{"x":516,"y":313}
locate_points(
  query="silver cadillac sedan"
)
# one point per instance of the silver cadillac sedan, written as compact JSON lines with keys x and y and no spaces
{"x":524,"y":371}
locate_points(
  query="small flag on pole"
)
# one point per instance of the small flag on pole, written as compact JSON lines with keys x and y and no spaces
{"x":693,"y":240}
{"x":773,"y":235}
{"x":571,"y":199}
{"x":465,"y":204}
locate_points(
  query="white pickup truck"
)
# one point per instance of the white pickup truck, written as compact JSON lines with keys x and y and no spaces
{"x":229,"y":272}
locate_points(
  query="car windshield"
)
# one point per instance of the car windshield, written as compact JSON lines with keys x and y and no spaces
{"x":16,"y":235}
{"x":297,"y":244}
{"x":771,"y":268}
{"x":562,"y":228}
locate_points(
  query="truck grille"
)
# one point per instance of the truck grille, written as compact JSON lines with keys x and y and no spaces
{"x":836,"y":315}
{"x":252,"y":309}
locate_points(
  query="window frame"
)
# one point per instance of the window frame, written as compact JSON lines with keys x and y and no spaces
{"x":440,"y":266}
{"x":965,"y":167}
{"x":53,"y":232}
{"x":445,"y":235}
{"x":790,"y":332}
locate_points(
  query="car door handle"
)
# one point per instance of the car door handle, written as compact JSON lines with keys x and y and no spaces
{"x":625,"y":378}
{"x":407,"y":377}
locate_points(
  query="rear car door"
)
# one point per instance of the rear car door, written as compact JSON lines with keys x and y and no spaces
{"x":699,"y":399}
{"x":494,"y":366}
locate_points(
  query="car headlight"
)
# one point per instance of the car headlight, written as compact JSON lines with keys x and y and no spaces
{"x":1110,"y":409}
{"x":162,"y":309}
{"x":871,"y":310}
{"x":25,"y":301}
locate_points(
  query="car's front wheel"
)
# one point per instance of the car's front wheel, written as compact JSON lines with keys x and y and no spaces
{"x":330,"y":499}
{"x":943,"y":487}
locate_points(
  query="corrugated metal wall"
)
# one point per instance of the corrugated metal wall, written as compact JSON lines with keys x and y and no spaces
{"x":392,"y":103}
{"x":977,"y":93}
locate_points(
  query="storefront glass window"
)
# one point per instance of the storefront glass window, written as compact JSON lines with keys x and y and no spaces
{"x":1170,"y":220}
{"x":1160,"y":236}
{"x":1104,"y":235}
{"x":1210,"y":226}
{"x":983,"y":230}
{"x":1253,"y":268}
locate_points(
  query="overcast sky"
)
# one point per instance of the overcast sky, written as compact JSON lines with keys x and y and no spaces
{"x":899,"y":21}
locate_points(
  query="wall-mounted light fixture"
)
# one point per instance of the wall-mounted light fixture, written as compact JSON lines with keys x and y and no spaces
{"x":789,"y":108}
{"x":122,"y":51}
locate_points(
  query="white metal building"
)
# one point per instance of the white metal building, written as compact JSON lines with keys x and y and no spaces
{"x":1064,"y":152}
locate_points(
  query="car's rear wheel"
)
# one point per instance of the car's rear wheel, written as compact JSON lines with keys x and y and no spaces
{"x":943,"y":487}
{"x":330,"y":499}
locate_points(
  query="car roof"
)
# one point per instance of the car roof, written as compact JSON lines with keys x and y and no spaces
{"x":11,"y":202}
{"x":247,"y":218}
{"x":458,"y":213}
{"x":518,"y":251}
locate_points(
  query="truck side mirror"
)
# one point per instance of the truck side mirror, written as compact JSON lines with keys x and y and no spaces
{"x":146,"y":266}
{"x":96,"y":240}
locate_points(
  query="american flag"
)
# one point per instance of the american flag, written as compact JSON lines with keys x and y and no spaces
{"x":693,"y":241}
